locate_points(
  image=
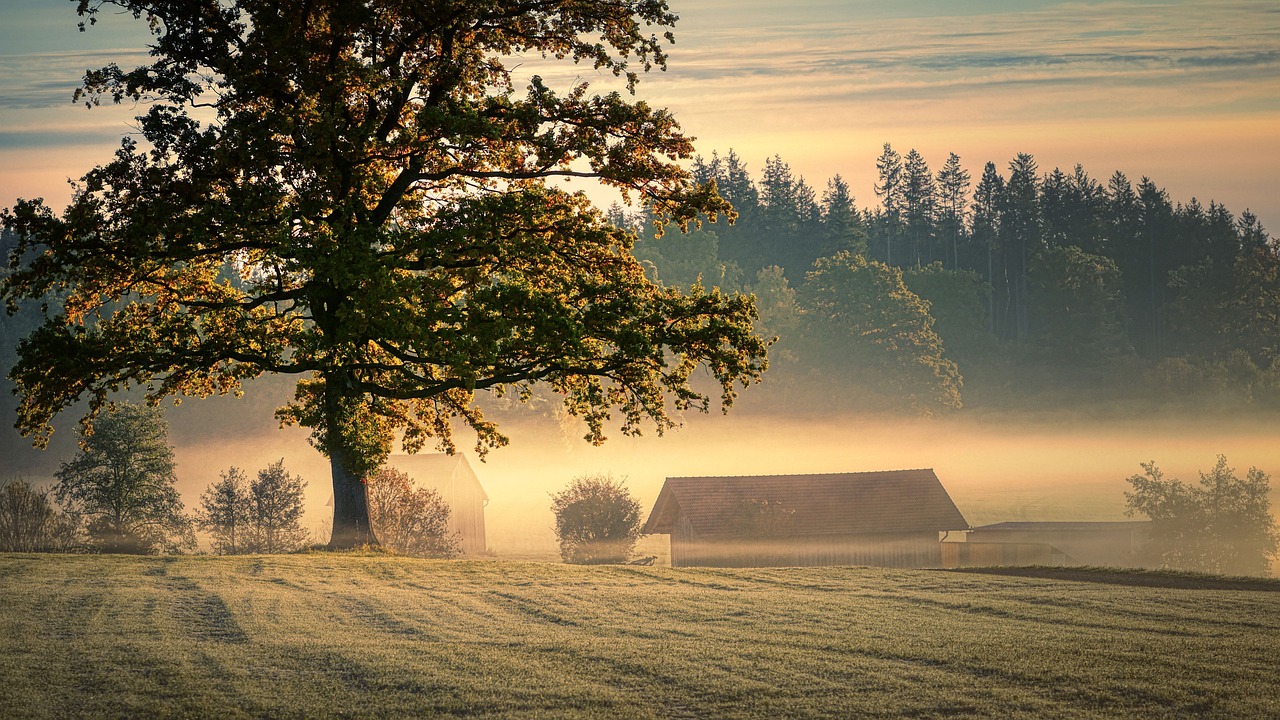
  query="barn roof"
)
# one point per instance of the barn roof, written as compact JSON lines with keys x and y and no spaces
{"x":1063,"y":526}
{"x":828,"y":504}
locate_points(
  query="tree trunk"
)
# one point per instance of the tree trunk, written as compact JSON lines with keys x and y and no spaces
{"x":350,"y":508}
{"x":351,"y":527}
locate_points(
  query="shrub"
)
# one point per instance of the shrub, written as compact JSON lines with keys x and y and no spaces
{"x":410,"y":520}
{"x":30,"y":523}
{"x":597,"y":520}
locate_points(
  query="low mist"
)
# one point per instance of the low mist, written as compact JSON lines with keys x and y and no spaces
{"x":996,"y":467}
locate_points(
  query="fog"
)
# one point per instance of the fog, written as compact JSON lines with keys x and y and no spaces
{"x":996,"y":467}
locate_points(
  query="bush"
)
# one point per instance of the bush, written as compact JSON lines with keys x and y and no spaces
{"x":30,"y":523}
{"x":410,"y":520}
{"x":597,"y":520}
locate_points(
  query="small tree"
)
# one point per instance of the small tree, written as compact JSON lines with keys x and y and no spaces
{"x":408,"y":519}
{"x":1223,"y":526}
{"x":30,"y":523}
{"x":122,"y":480}
{"x":597,"y":520}
{"x":275,"y":510}
{"x":226,"y":513}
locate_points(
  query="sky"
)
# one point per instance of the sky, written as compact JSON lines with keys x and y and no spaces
{"x":1185,"y":92}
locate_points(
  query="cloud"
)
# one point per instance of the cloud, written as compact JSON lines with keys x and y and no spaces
{"x":46,"y":80}
{"x":1192,"y":54}
{"x":60,"y":137}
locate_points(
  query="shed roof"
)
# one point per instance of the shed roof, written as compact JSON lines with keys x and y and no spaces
{"x":1081,"y":527}
{"x":827,"y":504}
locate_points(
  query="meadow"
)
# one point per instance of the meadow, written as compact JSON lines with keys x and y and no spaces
{"x":328,"y":635}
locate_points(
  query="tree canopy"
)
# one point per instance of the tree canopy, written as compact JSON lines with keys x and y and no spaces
{"x":1222,"y":526}
{"x":123,"y":482}
{"x":365,"y":194}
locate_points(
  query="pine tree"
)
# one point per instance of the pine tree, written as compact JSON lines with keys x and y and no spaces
{"x":1156,"y":220}
{"x":890,"y":190}
{"x":953,"y":204}
{"x":1021,"y":235}
{"x":919,"y":197}
{"x":842,"y":226}
{"x":988,"y":200}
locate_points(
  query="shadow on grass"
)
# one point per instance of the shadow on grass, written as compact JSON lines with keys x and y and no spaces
{"x":1134,"y":577}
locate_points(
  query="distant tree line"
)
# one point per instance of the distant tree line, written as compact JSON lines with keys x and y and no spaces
{"x":1019,"y":280}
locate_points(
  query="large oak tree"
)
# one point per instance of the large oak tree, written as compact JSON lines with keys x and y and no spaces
{"x":363,"y":194}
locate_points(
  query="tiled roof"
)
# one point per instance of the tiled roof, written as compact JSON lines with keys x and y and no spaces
{"x":829,"y":504}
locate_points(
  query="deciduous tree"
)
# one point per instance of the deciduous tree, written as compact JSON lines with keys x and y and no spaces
{"x":122,"y":482}
{"x":877,"y":330}
{"x":361,"y":194}
{"x":225,"y":513}
{"x":1222,"y":526}
{"x":275,"y":510}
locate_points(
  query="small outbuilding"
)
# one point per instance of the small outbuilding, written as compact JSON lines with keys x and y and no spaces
{"x":1051,"y":543}
{"x":453,"y":478}
{"x":891,"y":518}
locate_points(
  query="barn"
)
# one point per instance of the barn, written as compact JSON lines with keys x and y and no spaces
{"x":891,"y":518}
{"x":453,"y":478}
{"x":1051,"y":543}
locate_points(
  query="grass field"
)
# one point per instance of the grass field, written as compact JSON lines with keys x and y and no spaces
{"x":345,"y":635}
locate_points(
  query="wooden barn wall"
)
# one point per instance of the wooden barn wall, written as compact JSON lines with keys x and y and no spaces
{"x":1120,"y":546}
{"x":466,"y":509}
{"x":682,"y":541}
{"x":992,"y":554}
{"x":906,"y":550}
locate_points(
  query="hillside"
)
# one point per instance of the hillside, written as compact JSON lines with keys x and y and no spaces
{"x":324,"y":635}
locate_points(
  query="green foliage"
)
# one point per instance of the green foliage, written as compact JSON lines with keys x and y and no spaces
{"x":1079,"y":305}
{"x":958,"y":303}
{"x":1223,"y":526}
{"x":122,"y":481}
{"x":880,"y":330}
{"x":597,"y":520}
{"x":275,"y":510}
{"x":776,"y":303}
{"x":682,"y":259}
{"x":30,"y":523}
{"x":361,"y":194}
{"x":225,"y":513}
{"x":410,"y":520}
